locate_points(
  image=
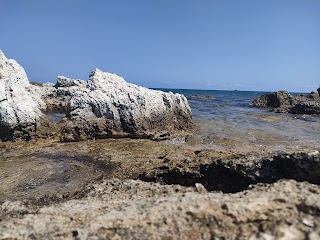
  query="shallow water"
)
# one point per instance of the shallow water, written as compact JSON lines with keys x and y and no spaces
{"x":228,"y":122}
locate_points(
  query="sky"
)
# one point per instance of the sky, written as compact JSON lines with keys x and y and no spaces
{"x":264,"y":45}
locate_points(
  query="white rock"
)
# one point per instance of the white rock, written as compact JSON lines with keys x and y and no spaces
{"x":19,"y":107}
{"x":109,"y":105}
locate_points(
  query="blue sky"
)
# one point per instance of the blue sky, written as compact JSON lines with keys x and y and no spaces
{"x":206,"y":44}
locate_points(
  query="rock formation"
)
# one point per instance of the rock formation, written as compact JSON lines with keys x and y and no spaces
{"x":111,"y":106}
{"x":20,"y":109}
{"x":200,"y":96}
{"x":57,"y":97}
{"x":282,"y":101}
{"x":104,"y":106}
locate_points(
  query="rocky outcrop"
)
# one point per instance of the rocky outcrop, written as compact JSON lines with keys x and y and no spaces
{"x":57,"y":97}
{"x":105,"y":105}
{"x":109,"y":106}
{"x":20,"y":108}
{"x":282,"y":101}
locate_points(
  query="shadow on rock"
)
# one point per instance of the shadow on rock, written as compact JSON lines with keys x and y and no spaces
{"x":235,"y":175}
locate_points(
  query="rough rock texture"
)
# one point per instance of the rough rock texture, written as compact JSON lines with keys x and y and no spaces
{"x":104,"y":106}
{"x":57,"y":97}
{"x":310,"y":107}
{"x":81,"y":190}
{"x":136,"y":210}
{"x":282,"y":101}
{"x":20,"y":109}
{"x":111,"y":106}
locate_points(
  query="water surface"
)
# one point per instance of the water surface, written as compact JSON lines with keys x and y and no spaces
{"x":228,"y":122}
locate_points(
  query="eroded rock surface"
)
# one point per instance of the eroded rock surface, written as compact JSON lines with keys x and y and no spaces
{"x":20,"y":108}
{"x":282,"y":101}
{"x":104,"y":106}
{"x":111,"y":106}
{"x":57,"y":97}
{"x":90,"y":189}
{"x":133,"y":209}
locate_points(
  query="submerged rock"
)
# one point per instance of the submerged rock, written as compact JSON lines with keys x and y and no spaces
{"x":20,"y":108}
{"x":109,"y":106}
{"x":200,"y":96}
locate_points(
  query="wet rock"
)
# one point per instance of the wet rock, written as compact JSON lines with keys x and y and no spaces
{"x":282,"y":101}
{"x":20,"y":106}
{"x":310,"y":107}
{"x":200,"y":96}
{"x":109,"y":106}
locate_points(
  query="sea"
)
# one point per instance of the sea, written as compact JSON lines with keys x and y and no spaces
{"x":227,"y":122}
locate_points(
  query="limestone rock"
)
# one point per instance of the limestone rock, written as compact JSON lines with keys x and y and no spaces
{"x":20,"y":108}
{"x":111,"y":106}
{"x":57,"y":96}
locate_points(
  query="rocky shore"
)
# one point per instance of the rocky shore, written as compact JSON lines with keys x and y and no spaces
{"x":136,"y":188}
{"x":104,"y":106}
{"x":282,"y":101}
{"x":78,"y":160}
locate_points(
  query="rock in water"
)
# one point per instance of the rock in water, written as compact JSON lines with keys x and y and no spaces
{"x":20,"y":109}
{"x":282,"y":101}
{"x":109,"y":106}
{"x":275,"y":100}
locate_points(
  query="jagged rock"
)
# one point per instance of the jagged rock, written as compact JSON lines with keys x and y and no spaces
{"x":282,"y":101}
{"x":275,"y":100}
{"x":20,"y":108}
{"x":68,"y":82}
{"x":310,"y":107}
{"x":111,"y":106}
{"x":318,"y":90}
{"x":57,"y":96}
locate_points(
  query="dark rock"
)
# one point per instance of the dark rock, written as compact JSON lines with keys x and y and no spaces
{"x":310,"y":107}
{"x":200,"y":96}
{"x":282,"y":101}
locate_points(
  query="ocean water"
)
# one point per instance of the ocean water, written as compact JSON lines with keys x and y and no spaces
{"x":228,"y":123}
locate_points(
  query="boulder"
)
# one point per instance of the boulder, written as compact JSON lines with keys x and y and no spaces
{"x":276,"y":99}
{"x":20,"y":108}
{"x":109,"y":106}
{"x":282,"y":101}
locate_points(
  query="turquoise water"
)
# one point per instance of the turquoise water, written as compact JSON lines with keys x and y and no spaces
{"x":229,"y":122}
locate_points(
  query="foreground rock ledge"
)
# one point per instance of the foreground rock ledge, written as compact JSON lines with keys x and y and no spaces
{"x":133,"y":209}
{"x":104,"y":106}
